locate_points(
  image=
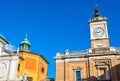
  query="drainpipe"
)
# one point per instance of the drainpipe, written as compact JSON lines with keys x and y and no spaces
{"x":64,"y":67}
{"x":88,"y":68}
{"x":66,"y":53}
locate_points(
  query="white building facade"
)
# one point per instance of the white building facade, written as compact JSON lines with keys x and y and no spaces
{"x":8,"y":62}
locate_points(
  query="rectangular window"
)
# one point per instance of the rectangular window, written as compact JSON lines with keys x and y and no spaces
{"x":18,"y":68}
{"x":78,"y":76}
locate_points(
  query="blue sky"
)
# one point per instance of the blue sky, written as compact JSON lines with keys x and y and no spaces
{"x":55,"y":25}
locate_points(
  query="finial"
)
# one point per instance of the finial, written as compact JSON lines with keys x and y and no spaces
{"x":95,"y":2}
{"x":67,"y":52}
{"x":17,"y":50}
{"x":26,"y":36}
{"x":96,"y":11}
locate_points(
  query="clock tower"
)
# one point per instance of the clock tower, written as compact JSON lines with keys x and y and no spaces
{"x":98,"y":31}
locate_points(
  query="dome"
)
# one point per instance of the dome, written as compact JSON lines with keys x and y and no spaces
{"x":25,"y":41}
{"x":25,"y":45}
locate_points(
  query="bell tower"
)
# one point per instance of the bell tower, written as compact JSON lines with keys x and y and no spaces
{"x":98,"y":31}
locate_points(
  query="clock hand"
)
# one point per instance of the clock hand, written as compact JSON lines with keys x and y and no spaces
{"x":97,"y":31}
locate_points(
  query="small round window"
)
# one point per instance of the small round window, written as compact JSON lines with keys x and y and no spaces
{"x":42,"y":70}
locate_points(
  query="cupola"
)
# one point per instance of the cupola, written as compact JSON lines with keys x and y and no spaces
{"x":25,"y":45}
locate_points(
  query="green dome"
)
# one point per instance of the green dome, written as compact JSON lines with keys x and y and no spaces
{"x":25,"y":45}
{"x":25,"y":41}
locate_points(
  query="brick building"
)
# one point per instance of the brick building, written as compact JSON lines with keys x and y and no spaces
{"x":99,"y":63}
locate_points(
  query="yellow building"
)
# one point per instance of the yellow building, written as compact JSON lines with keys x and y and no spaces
{"x":32,"y":64}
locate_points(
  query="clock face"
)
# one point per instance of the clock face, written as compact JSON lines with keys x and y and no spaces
{"x":98,"y":32}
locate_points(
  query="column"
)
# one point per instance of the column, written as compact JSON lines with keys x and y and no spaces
{"x":13,"y":68}
{"x":107,"y":74}
{"x":98,"y":73}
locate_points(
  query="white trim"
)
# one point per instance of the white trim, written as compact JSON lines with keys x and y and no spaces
{"x":106,"y":72}
{"x":71,"y":60}
{"x":85,"y":59}
{"x":98,"y":74}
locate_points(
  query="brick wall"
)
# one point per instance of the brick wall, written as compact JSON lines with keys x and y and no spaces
{"x":65,"y":71}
